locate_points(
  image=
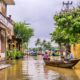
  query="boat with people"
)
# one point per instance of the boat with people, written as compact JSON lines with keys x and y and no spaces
{"x":62,"y":64}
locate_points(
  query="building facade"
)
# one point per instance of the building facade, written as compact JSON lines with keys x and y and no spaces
{"x":6,"y":27}
{"x":76,"y":50}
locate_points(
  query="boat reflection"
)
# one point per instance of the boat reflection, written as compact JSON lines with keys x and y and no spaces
{"x":65,"y":74}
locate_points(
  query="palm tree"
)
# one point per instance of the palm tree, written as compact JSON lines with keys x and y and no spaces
{"x":37,"y":42}
{"x":43,"y":44}
{"x":48,"y":45}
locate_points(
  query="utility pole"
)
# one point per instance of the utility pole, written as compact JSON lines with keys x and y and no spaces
{"x":66,"y":5}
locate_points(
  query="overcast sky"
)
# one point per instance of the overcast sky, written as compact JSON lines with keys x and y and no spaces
{"x":39,"y":13}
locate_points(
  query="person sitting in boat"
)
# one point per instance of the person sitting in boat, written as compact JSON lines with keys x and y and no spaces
{"x":53,"y":53}
{"x":69,"y":55}
{"x":46,"y":56}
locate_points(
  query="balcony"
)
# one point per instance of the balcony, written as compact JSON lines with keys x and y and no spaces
{"x":6,"y":24}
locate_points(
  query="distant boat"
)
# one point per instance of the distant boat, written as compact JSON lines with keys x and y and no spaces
{"x":33,"y":53}
{"x":62,"y":64}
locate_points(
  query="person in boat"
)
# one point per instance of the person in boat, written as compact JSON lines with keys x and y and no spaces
{"x":46,"y":56}
{"x":53,"y":53}
{"x":68,"y":56}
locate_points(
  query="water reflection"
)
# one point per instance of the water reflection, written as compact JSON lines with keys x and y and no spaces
{"x":33,"y":68}
{"x":65,"y":74}
{"x":36,"y":70}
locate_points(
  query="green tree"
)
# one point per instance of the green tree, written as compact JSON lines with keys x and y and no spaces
{"x":59,"y":37}
{"x":48,"y":45}
{"x":38,"y":42}
{"x":68,"y":30}
{"x":43,"y":43}
{"x":22,"y":31}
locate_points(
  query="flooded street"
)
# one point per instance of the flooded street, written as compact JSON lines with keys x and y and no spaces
{"x":33,"y":68}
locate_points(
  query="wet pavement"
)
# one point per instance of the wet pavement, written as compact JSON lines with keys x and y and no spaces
{"x":34,"y":68}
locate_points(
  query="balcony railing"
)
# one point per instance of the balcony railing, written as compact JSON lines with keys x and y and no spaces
{"x":6,"y":22}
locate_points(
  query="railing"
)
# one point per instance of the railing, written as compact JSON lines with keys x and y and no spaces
{"x":6,"y":22}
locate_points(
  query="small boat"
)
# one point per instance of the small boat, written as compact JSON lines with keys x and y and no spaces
{"x":62,"y":64}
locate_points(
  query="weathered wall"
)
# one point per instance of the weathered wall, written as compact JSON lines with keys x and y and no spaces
{"x":76,"y":52}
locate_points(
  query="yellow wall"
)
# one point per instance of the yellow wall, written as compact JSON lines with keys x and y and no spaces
{"x":75,"y":49}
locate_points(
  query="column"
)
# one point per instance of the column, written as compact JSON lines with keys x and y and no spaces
{"x":0,"y":41}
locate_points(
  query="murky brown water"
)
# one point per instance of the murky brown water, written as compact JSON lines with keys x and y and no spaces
{"x":33,"y":68}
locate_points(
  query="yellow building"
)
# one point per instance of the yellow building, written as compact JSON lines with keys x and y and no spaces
{"x":75,"y":49}
{"x":6,"y":26}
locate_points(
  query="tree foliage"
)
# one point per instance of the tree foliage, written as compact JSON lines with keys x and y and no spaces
{"x":43,"y":44}
{"x":68,"y":27}
{"x":23,"y":31}
{"x":38,"y":42}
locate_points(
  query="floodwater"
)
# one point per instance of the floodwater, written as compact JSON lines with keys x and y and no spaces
{"x":34,"y":68}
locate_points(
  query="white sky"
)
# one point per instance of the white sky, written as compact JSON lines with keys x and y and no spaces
{"x":39,"y":13}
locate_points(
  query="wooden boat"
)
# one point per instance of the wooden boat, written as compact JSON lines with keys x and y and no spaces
{"x":62,"y":64}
